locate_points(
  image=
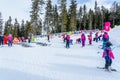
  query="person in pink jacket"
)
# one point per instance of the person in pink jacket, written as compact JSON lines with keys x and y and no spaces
{"x":90,"y":39}
{"x":10,"y":39}
{"x":68,"y":41}
{"x":108,"y":55}
{"x":83,"y":39}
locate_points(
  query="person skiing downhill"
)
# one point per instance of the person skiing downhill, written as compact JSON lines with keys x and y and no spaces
{"x":108,"y":55}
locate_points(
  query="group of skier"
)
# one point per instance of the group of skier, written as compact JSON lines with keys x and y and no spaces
{"x":6,"y":40}
{"x":106,"y":46}
{"x":10,"y":40}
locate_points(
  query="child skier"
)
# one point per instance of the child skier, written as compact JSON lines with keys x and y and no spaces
{"x":96,"y":37}
{"x":68,"y":41}
{"x":83,"y":39}
{"x":48,"y":37}
{"x":105,"y":39}
{"x":10,"y":40}
{"x":108,"y":55}
{"x":90,"y":39}
{"x":1,"y":40}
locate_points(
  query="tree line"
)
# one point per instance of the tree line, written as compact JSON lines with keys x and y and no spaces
{"x":61,"y":18}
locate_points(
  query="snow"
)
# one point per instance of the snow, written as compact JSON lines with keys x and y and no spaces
{"x":55,"y":62}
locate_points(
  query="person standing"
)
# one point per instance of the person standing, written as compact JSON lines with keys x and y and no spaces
{"x":10,"y":39}
{"x":68,"y":41}
{"x":105,"y":39}
{"x":1,"y":40}
{"x":48,"y":37}
{"x":108,"y":55}
{"x":90,"y":39}
{"x":83,"y":39}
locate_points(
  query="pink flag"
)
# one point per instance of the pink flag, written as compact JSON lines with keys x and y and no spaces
{"x":107,"y":26}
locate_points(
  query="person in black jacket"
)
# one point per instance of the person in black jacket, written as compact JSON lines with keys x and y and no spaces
{"x":1,"y":40}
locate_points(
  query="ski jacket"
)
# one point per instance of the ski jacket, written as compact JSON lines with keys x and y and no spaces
{"x":90,"y":38}
{"x":110,"y":54}
{"x":105,"y":38}
{"x":10,"y":38}
{"x":68,"y":37}
{"x":96,"y":35}
{"x":83,"y":38}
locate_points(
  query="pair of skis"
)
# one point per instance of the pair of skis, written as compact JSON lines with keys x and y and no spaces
{"x":111,"y":69}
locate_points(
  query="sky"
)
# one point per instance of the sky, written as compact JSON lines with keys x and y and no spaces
{"x":20,"y":8}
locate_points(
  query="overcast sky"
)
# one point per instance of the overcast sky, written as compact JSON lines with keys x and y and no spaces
{"x":20,"y":8}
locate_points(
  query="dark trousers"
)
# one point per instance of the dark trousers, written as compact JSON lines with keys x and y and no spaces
{"x":64,"y":39}
{"x":83,"y":43}
{"x":96,"y":39}
{"x":107,"y":63}
{"x":1,"y":42}
{"x":67,"y":44}
{"x":29,"y":40}
{"x":48,"y":39}
{"x":90,"y":42}
{"x":9,"y":43}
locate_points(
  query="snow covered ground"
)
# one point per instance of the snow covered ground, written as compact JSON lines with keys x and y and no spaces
{"x":55,"y":62}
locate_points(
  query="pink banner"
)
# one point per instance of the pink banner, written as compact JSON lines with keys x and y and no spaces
{"x":107,"y":26}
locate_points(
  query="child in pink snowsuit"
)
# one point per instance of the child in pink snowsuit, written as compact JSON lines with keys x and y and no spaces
{"x":90,"y":39}
{"x":83,"y":39}
{"x":108,"y":55}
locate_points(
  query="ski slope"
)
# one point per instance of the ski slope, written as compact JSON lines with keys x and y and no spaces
{"x":55,"y":62}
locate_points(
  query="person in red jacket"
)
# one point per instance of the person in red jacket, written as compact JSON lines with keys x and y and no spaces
{"x":90,"y":39}
{"x":5,"y":39}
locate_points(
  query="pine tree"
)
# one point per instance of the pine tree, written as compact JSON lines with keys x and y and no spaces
{"x":118,"y":14}
{"x":8,"y":26}
{"x":39,"y":27}
{"x":55,"y":19}
{"x":73,"y":15}
{"x":48,"y":23}
{"x":115,"y":14}
{"x":63,"y":15}
{"x":96,"y":16}
{"x":6,"y":29}
{"x":103,"y":12}
{"x":80,"y":14}
{"x":1,"y":24}
{"x":29,"y":29}
{"x":84,"y":17}
{"x":16,"y":30}
{"x":90,"y":18}
{"x":35,"y":16}
{"x":68,"y":18}
{"x":22,"y":30}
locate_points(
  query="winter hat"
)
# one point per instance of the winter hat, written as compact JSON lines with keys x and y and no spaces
{"x":108,"y":44}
